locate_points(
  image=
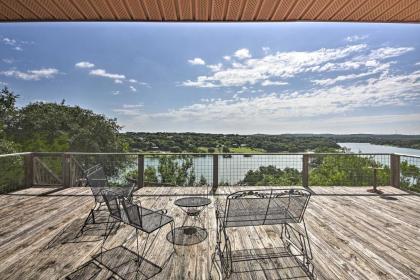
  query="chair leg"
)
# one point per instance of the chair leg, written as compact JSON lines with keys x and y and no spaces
{"x":173,"y":235}
{"x":138,"y":251}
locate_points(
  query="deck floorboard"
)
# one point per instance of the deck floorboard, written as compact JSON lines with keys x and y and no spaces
{"x":354,"y":235}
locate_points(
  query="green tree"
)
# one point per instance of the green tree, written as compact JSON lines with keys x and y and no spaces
{"x":8,"y":114}
{"x":272,"y":176}
{"x":410,"y":176}
{"x":176,"y":170}
{"x":150,"y":175}
{"x":60,"y":128}
{"x":203,"y":181}
{"x":346,"y":170}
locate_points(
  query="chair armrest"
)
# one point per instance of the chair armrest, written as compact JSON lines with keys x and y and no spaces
{"x":162,"y":212}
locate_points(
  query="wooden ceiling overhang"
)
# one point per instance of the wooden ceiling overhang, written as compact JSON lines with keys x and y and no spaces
{"x":402,"y":11}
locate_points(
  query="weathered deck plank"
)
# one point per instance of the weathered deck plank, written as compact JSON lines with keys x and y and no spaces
{"x":355,"y":235}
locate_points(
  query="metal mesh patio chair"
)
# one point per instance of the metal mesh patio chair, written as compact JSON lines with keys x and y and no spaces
{"x":97,"y":181}
{"x":141,"y":219}
{"x":284,"y":207}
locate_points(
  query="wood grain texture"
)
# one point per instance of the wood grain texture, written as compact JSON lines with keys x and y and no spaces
{"x":211,"y":10}
{"x":354,"y":234}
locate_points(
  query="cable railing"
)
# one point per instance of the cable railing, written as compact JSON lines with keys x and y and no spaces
{"x":409,"y":175}
{"x":12,"y":172}
{"x":196,"y":169}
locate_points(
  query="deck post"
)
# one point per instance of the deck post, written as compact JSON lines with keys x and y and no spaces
{"x":66,"y":170}
{"x":305,"y":170}
{"x":395,"y":171}
{"x":215,"y":173}
{"x":140,"y":171}
{"x":29,"y":170}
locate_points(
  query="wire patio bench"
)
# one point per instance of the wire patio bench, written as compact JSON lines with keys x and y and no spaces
{"x":252,"y":208}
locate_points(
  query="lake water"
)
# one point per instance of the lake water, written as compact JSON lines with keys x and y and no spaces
{"x":371,"y":148}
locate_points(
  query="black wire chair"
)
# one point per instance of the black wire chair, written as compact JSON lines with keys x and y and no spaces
{"x":98,"y":182}
{"x":284,"y":207}
{"x":141,"y":219}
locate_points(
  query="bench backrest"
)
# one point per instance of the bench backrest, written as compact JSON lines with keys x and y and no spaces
{"x":265,"y":207}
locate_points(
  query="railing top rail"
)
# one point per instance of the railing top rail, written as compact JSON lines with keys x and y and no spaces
{"x":223,"y":154}
{"x":406,"y":155}
{"x":15,"y":154}
{"x":198,"y":154}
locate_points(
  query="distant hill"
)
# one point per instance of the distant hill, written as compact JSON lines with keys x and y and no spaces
{"x":234,"y":143}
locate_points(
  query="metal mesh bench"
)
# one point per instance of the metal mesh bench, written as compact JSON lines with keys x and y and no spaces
{"x":284,"y":207}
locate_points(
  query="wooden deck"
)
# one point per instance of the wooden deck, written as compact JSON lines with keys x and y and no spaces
{"x":355,"y":235}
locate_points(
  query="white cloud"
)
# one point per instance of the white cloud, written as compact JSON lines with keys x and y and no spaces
{"x":271,"y":109}
{"x":133,"y":89}
{"x":266,"y":50}
{"x":130,"y":109}
{"x":14,"y":44}
{"x":118,"y":81}
{"x":144,"y":84}
{"x":375,"y":66}
{"x":9,"y":41}
{"x":215,"y":67}
{"x":278,"y":65}
{"x":116,"y":92}
{"x":273,"y":83}
{"x":242,"y":53}
{"x":418,"y":63}
{"x":84,"y":64}
{"x":8,"y":60}
{"x":196,"y":61}
{"x":134,"y":81}
{"x":356,"y":38}
{"x":34,"y":75}
{"x":388,"y":52}
{"x":103,"y":73}
{"x":3,"y":83}
{"x":227,"y":57}
{"x":285,"y":65}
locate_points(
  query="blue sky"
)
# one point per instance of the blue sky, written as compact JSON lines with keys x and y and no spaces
{"x":223,"y":78}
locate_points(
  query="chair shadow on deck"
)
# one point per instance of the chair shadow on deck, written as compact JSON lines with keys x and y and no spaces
{"x":265,"y":263}
{"x":118,"y":261}
{"x":84,"y":230}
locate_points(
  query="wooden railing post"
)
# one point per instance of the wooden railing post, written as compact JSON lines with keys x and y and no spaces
{"x":305,"y":170}
{"x":215,"y":172}
{"x":140,"y":171}
{"x":395,"y":171}
{"x":66,"y":170}
{"x":29,"y":170}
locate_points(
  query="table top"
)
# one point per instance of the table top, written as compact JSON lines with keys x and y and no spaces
{"x":193,"y":201}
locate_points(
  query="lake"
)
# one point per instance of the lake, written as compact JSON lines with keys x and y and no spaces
{"x":371,"y":148}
